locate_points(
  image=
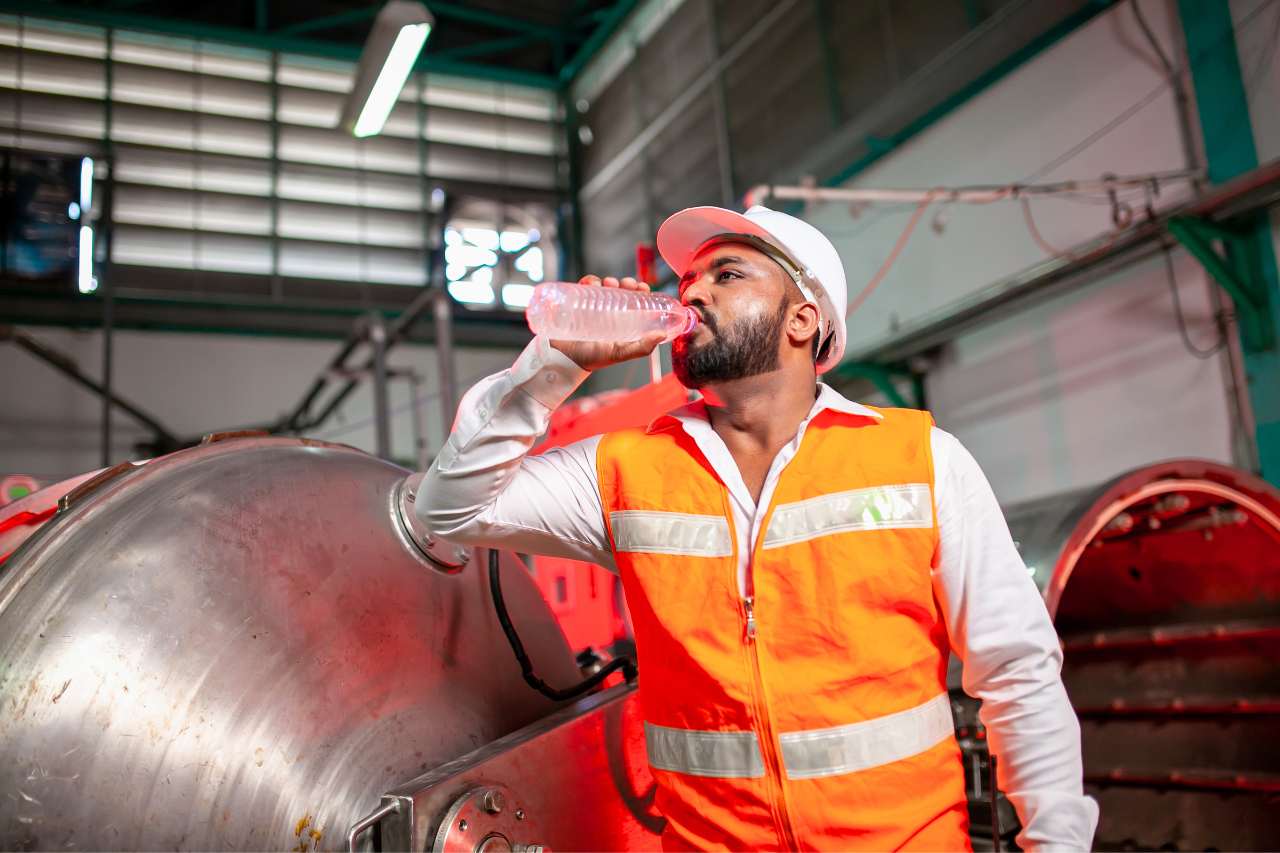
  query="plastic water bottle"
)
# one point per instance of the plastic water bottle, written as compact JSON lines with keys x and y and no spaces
{"x":578,"y":312}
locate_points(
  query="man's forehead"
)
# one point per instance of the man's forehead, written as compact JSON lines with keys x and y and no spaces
{"x":717,"y":248}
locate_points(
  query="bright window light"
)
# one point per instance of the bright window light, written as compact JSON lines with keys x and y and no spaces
{"x":386,"y":89}
{"x":86,"y":183}
{"x":517,"y":295}
{"x":471,"y":292}
{"x":472,"y":256}
{"x":85,"y":280}
{"x":530,"y":263}
{"x":485,"y":238}
{"x":452,"y":237}
{"x":455,"y":272}
{"x":484,"y":275}
{"x":513,"y":241}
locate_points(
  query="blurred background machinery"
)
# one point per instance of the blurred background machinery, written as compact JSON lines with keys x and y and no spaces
{"x":1164,"y":585}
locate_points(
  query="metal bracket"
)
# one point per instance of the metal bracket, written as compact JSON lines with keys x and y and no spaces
{"x":1233,"y":272}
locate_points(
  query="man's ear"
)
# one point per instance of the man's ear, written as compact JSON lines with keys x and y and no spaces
{"x":804,"y":324}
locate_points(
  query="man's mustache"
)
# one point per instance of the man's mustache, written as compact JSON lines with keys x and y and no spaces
{"x":708,"y":319}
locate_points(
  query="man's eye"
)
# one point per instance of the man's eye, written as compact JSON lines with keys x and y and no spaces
{"x":724,"y":274}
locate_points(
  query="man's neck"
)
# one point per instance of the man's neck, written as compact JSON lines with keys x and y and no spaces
{"x":763,"y":411}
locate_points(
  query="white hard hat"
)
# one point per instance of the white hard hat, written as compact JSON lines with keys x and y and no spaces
{"x":815,"y":263}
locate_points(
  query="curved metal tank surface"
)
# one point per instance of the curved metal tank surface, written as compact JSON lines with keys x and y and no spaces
{"x":1164,"y":585}
{"x":236,"y":647}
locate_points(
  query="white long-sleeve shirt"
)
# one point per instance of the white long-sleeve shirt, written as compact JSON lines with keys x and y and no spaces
{"x":483,"y":488}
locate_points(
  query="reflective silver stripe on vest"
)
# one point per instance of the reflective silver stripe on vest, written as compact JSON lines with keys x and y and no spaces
{"x":725,"y":755}
{"x":647,"y":532}
{"x":875,"y":508}
{"x":859,"y":746}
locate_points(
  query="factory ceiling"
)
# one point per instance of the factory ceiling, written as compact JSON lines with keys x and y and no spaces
{"x":542,"y":42}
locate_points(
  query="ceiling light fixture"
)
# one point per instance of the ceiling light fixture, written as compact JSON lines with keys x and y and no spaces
{"x":389,"y":55}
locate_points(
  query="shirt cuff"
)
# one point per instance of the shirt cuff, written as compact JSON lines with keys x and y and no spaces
{"x":546,"y":374}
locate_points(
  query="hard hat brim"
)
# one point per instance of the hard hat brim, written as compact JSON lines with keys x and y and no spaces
{"x":683,"y":233}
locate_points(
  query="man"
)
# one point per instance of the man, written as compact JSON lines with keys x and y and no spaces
{"x":797,"y":566}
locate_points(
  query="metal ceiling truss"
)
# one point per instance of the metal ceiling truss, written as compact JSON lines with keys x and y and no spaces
{"x":300,"y":37}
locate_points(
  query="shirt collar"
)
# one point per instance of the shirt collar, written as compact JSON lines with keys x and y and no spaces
{"x":828,"y":398}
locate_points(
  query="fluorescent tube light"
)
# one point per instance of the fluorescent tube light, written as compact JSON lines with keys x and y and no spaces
{"x":85,"y":280}
{"x":389,"y":56}
{"x":86,"y":184}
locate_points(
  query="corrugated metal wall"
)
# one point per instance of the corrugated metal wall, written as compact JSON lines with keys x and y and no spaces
{"x":808,"y":87}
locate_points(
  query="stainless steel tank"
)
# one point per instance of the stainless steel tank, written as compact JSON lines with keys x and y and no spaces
{"x":238,"y":646}
{"x":1164,"y":585}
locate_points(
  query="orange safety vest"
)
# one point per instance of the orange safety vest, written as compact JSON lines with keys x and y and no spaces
{"x":812,"y":714}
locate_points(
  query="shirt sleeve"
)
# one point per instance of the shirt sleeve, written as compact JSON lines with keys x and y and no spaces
{"x":1002,"y":632}
{"x":484,"y":489}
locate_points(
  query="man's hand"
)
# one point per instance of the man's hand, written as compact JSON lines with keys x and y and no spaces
{"x":593,"y":355}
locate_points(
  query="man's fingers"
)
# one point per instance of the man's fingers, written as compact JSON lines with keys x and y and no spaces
{"x":626,"y":283}
{"x":645,"y":345}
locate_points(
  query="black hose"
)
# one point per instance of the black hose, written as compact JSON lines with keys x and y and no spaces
{"x":626,"y":664}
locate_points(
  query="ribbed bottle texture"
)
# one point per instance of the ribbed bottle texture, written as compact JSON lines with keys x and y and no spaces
{"x":578,"y":312}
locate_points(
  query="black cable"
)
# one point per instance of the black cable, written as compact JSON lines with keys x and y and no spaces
{"x":1182,"y":320}
{"x":625,"y":664}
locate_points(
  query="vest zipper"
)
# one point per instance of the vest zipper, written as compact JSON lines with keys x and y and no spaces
{"x":768,"y":748}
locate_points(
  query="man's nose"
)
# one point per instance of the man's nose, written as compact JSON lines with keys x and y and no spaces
{"x":695,"y":292}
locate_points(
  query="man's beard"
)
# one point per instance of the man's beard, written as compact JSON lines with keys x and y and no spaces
{"x":748,"y":348}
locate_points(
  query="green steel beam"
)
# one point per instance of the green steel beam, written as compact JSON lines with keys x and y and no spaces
{"x":599,"y":37}
{"x":313,"y":25}
{"x":1222,"y":105}
{"x":452,"y":11}
{"x":973,"y":12}
{"x":263,"y":41}
{"x":1249,"y":294}
{"x":485,"y":48}
{"x":255,"y":319}
{"x":883,"y":378}
{"x":830,"y":70}
{"x":472,"y":15}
